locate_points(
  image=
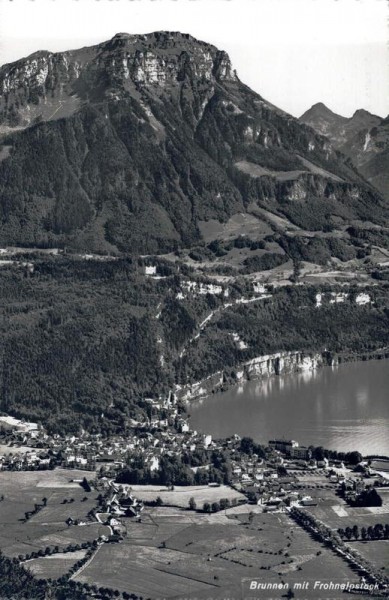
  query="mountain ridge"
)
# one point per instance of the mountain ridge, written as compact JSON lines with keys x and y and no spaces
{"x":363,"y":137}
{"x":128,"y":144}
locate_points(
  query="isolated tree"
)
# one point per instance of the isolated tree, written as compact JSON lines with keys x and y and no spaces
{"x":192,"y":503}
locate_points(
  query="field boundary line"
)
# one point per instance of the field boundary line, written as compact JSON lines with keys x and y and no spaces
{"x":88,"y":562}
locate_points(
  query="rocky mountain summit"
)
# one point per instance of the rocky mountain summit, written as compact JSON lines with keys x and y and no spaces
{"x":364,"y":138}
{"x":127,"y":146}
{"x":58,"y":83}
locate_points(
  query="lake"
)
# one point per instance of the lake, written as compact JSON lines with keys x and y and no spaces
{"x":341,"y":408}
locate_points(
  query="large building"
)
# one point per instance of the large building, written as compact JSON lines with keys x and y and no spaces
{"x":291,"y":449}
{"x":284,"y":446}
{"x":300,"y":452}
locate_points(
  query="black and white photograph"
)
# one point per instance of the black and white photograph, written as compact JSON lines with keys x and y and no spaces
{"x":194,"y":299}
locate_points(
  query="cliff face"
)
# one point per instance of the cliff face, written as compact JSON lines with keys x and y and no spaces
{"x":261,"y":367}
{"x":283,"y":363}
{"x":52,"y":85}
{"x":127,"y":145}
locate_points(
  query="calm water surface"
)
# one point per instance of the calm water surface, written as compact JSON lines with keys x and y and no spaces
{"x":343,"y":408}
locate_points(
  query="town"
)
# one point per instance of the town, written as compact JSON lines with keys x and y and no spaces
{"x":266,"y":475}
{"x":109,"y":491}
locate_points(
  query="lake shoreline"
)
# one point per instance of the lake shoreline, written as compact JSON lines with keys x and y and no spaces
{"x":327,"y":402}
{"x":220,"y":382}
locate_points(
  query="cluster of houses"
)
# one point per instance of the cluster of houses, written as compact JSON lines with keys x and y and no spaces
{"x":27,"y":446}
{"x":15,"y":457}
{"x":263,"y":484}
{"x":269,"y":481}
{"x":119,"y":502}
{"x":25,"y":461}
{"x":123,"y":503}
{"x":272,"y":482}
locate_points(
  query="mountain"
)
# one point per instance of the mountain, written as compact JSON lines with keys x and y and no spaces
{"x":364,"y":138}
{"x":129,"y":145}
{"x":148,"y":144}
{"x":324,"y":121}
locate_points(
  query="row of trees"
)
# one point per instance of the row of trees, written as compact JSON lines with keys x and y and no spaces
{"x":212,"y":507}
{"x":333,"y":540}
{"x":223,"y":504}
{"x":376,"y":532}
{"x":352,"y":458}
{"x":37,"y":508}
{"x":50,"y":550}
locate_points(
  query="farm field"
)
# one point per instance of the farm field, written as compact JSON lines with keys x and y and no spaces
{"x":239,"y":224}
{"x":25,"y":489}
{"x":137,"y":571}
{"x":339,"y":514}
{"x":62,"y":504}
{"x":56,"y":478}
{"x":377,"y":552}
{"x":54,"y":566}
{"x":23,"y":538}
{"x":195,"y":558}
{"x":181,"y":494}
{"x":74,"y":535}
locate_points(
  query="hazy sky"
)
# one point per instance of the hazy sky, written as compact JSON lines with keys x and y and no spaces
{"x":293,"y":52}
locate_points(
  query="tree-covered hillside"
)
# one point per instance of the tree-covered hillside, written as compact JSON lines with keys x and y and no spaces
{"x":85,"y":342}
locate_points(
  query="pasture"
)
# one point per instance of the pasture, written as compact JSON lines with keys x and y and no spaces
{"x":239,"y":224}
{"x":74,"y":535}
{"x":181,"y":495}
{"x":54,"y":566}
{"x":184,"y":554}
{"x":138,"y":570}
{"x":376,"y":552}
{"x":341,"y":515}
{"x":58,"y":495}
{"x":173,"y":551}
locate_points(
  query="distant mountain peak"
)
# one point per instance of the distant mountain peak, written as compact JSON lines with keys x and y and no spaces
{"x":362,"y":137}
{"x":321,"y":106}
{"x":364,"y":116}
{"x":319,"y":110}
